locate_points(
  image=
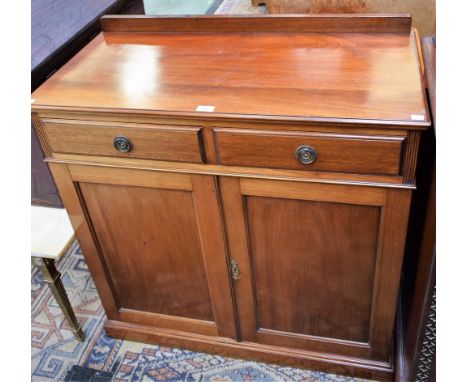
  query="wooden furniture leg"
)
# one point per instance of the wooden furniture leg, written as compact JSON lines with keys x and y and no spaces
{"x":52,"y":278}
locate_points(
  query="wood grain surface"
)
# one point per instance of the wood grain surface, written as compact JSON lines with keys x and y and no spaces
{"x":137,"y":229}
{"x":302,"y":273}
{"x":283,"y":236}
{"x":340,"y":153}
{"x":378,"y":23}
{"x":172,"y":143}
{"x":299,"y":75}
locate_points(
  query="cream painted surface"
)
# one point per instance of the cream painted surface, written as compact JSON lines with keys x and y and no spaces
{"x":51,"y":232}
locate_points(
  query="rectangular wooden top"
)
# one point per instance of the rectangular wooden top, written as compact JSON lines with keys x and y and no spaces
{"x":180,"y":66}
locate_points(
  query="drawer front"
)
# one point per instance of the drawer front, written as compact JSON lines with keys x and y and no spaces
{"x":158,"y":142}
{"x":309,"y":151}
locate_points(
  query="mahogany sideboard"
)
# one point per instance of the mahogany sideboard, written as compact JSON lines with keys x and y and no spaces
{"x":241,"y":185}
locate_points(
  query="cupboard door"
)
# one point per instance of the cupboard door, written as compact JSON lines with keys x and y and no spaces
{"x":319,"y":264}
{"x":160,"y":241}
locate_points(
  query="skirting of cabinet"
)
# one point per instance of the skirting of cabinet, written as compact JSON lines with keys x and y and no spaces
{"x":264,"y":353}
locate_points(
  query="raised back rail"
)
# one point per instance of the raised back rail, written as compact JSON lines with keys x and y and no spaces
{"x":324,"y":23}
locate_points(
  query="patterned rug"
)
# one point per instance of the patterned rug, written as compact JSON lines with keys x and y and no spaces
{"x":55,"y":350}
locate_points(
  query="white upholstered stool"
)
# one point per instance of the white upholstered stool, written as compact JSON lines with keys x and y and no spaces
{"x":51,"y":237}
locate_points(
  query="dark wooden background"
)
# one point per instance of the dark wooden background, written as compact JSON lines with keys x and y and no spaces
{"x":59,"y":29}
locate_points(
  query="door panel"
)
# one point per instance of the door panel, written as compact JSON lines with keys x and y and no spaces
{"x":319,"y":263}
{"x":150,"y":243}
{"x":159,"y":239}
{"x":303,"y":254}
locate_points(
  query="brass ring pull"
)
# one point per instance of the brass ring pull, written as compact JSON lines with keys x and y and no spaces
{"x":122,"y":144}
{"x":306,"y":154}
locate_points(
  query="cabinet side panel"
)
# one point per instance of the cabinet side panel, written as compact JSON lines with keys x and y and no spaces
{"x":313,"y":265}
{"x":394,"y":219}
{"x":150,"y":244}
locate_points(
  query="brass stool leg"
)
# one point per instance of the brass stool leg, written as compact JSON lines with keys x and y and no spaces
{"x":52,"y":278}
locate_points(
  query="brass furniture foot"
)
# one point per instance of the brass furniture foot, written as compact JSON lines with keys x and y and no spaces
{"x":52,"y":278}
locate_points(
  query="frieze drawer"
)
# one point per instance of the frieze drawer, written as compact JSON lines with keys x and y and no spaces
{"x":309,"y":151}
{"x":144,"y":141}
